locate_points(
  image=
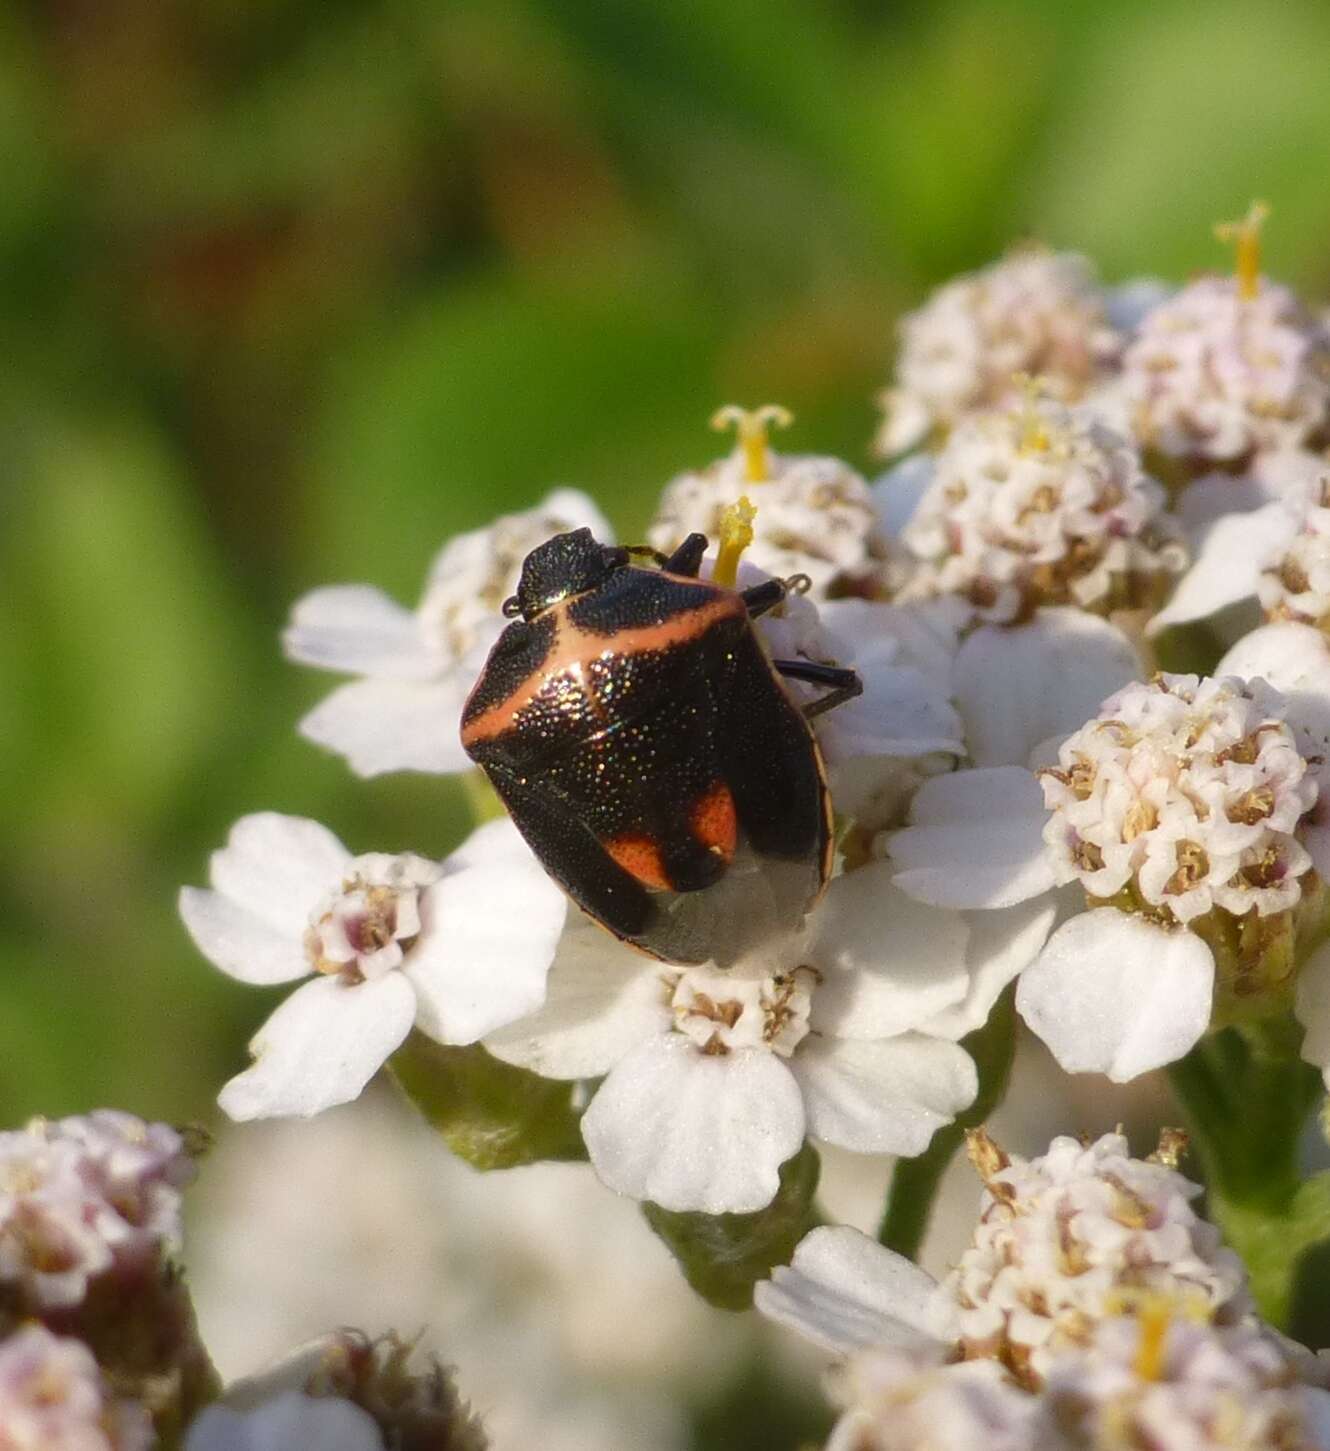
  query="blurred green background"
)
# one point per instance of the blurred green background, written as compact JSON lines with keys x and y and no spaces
{"x":293,"y":289}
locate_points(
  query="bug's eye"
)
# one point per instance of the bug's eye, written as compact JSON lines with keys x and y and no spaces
{"x":512,"y":607}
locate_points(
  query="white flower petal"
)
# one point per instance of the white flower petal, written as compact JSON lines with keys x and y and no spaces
{"x":321,"y":1047}
{"x":1002,"y":944}
{"x":492,"y":844}
{"x":1313,"y":1008}
{"x":690,"y":1131}
{"x":976,"y":840}
{"x":888,"y":1097}
{"x":1215,"y":496}
{"x":844,"y":1291}
{"x":489,"y":934}
{"x":1112,"y":993}
{"x":358,"y":629}
{"x":1295,"y":659}
{"x":896,"y":493}
{"x":1016,"y":685}
{"x":1228,"y":561}
{"x":888,"y":962}
{"x":241,"y":944}
{"x":393,"y":725}
{"x":602,"y":999}
{"x":924,"y":634}
{"x":900,"y":713}
{"x":279,"y":867}
{"x":1130,"y":301}
{"x":289,"y":1420}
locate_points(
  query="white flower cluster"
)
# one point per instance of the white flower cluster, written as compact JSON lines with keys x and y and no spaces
{"x":815,"y":516}
{"x":82,"y":1198}
{"x":1093,"y":1310}
{"x":1296,"y":585}
{"x":456,"y":948}
{"x":1035,"y":312}
{"x":1188,"y":790}
{"x":1063,"y":1237}
{"x":53,"y":1397}
{"x":1222,"y":370}
{"x":1161,"y":1379}
{"x":1182,"y":797}
{"x":1158,"y":1379}
{"x":1033,"y":505}
{"x":712,"y":1080}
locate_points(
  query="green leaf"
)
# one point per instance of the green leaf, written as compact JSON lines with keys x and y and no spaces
{"x":490,"y":1114}
{"x":724,"y":1255}
{"x":914,"y":1182}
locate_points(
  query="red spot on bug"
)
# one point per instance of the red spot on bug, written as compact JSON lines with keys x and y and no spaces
{"x":713,"y":820}
{"x":640,"y":857}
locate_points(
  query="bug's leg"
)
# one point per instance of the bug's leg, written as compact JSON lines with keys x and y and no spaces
{"x":845,"y":684}
{"x":687,"y":559}
{"x":763,"y":597}
{"x":766,"y":596}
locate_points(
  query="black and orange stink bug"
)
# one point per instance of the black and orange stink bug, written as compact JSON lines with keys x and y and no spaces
{"x":643,"y":741}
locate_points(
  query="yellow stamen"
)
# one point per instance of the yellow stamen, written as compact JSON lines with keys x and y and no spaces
{"x":751,"y":425}
{"x":736,"y":534}
{"x":1155,"y":1319}
{"x":1034,"y":429}
{"x":1245,"y":235}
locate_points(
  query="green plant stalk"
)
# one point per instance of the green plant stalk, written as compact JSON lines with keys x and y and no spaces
{"x":1246,"y":1098}
{"x":914,"y":1182}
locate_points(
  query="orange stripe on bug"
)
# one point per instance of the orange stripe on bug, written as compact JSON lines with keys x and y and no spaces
{"x":713,"y":821}
{"x":640,"y":857}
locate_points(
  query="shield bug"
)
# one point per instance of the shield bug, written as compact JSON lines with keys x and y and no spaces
{"x":635,"y":727}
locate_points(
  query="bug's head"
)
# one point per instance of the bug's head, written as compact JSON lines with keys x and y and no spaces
{"x":566,"y":565}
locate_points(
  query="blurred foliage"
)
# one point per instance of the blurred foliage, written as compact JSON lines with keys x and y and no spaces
{"x":293,"y":289}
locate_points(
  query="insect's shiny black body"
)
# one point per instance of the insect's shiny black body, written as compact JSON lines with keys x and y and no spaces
{"x":639,"y":735}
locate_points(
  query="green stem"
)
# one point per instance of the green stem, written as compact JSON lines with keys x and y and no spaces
{"x":913,"y":1188}
{"x":1246,"y":1098}
{"x":914,"y":1182}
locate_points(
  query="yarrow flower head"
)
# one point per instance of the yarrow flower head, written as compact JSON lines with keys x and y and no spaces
{"x":1062,"y":1241}
{"x":1065,"y":1238}
{"x":1035,"y":505}
{"x":712,"y":1079}
{"x":1191,"y":812}
{"x":814,"y":515}
{"x":53,"y":1397}
{"x":85,"y":1198}
{"x":1036,"y":312}
{"x":1186,"y":793}
{"x":456,"y":949}
{"x":1229,"y":366}
{"x":1166,"y":1377}
{"x":1163,"y":1376}
{"x":417,"y":666}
